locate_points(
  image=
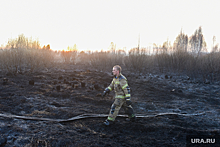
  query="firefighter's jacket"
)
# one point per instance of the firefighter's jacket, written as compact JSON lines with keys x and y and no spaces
{"x":120,"y":86}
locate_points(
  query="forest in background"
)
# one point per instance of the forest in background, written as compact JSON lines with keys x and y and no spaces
{"x":187,"y":56}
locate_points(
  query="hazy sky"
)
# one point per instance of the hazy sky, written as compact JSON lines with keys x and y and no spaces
{"x":94,"y":24}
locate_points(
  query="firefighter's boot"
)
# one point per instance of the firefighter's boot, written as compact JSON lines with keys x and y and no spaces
{"x":108,"y":122}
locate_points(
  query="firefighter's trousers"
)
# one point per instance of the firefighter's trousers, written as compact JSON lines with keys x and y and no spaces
{"x":116,"y":106}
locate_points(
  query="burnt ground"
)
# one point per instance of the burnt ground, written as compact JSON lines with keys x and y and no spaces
{"x":176,"y":107}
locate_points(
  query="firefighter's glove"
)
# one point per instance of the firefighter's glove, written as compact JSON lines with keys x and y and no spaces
{"x":105,"y":92}
{"x":128,"y":102}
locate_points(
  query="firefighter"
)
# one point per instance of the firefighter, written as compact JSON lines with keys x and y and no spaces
{"x":122,"y":96}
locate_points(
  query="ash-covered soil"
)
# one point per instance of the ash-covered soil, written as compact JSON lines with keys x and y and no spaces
{"x":174,"y":107}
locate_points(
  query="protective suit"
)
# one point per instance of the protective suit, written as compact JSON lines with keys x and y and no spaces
{"x":122,"y":97}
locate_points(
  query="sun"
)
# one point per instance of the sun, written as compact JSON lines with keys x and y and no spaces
{"x":68,"y":49}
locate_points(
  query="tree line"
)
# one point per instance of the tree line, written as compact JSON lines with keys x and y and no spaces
{"x":186,"y":56}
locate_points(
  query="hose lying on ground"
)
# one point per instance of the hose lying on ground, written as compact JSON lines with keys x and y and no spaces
{"x":90,"y":116}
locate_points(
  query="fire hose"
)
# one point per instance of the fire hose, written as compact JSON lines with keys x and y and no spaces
{"x":83,"y":116}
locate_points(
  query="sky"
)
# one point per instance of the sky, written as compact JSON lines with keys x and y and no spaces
{"x":94,"y":24}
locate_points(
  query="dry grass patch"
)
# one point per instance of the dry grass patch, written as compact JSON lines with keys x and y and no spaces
{"x":37,"y":112}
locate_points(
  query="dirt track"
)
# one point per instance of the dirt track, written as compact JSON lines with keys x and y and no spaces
{"x":60,"y":94}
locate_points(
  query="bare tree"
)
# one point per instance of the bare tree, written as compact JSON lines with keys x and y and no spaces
{"x":214,"y":47}
{"x":197,"y":42}
{"x":181,"y":42}
{"x":112,"y":48}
